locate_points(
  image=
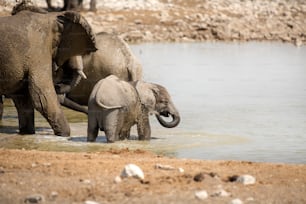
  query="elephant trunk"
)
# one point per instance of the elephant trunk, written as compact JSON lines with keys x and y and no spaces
{"x":175,"y":121}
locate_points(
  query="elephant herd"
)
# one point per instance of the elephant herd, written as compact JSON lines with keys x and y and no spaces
{"x":53,"y":59}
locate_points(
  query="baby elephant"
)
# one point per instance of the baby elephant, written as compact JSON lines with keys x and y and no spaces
{"x":115,"y":106}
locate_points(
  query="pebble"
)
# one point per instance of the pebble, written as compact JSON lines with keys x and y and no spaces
{"x":53,"y":195}
{"x":34,"y":199}
{"x":90,"y":202}
{"x":85,"y":181}
{"x":199,"y":177}
{"x":202,"y":195}
{"x":132,"y":170}
{"x":164,"y":167}
{"x":236,"y":201}
{"x":181,"y":170}
{"x":220,"y":193}
{"x":117,"y":179}
{"x":246,"y":179}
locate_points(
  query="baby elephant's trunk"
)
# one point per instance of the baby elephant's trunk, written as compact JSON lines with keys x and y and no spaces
{"x":175,"y":121}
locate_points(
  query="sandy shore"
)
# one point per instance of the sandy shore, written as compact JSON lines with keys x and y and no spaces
{"x":61,"y":177}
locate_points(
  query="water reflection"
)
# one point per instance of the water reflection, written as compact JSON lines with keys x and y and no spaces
{"x":237,"y":101}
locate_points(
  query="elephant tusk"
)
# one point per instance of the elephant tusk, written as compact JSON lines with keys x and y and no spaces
{"x":82,"y":74}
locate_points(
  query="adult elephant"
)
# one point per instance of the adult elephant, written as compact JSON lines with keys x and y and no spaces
{"x":113,"y":57}
{"x":73,"y":5}
{"x":31,"y":44}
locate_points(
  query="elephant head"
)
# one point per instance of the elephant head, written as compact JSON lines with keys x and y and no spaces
{"x":75,"y":37}
{"x":69,"y":75}
{"x":39,"y":41}
{"x":158,"y":101}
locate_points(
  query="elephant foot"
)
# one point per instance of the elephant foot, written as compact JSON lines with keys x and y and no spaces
{"x":62,"y":133}
{"x":91,"y":140}
{"x":26,"y":131}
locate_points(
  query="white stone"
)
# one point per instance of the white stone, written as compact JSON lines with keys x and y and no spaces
{"x":164,"y":167}
{"x":236,"y":201}
{"x":90,"y":202}
{"x":181,"y":170}
{"x":132,"y":170}
{"x":86,"y":181}
{"x":202,"y":195}
{"x":220,"y":193}
{"x":246,"y":179}
{"x":117,"y":179}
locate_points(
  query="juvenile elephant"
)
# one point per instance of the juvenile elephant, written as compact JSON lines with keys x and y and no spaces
{"x":112,"y":57}
{"x":115,"y":106}
{"x":31,"y":44}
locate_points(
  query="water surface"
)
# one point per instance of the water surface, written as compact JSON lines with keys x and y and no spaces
{"x":237,"y":101}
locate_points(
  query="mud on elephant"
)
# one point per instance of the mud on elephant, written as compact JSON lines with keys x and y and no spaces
{"x":115,"y":106}
{"x":31,"y":43}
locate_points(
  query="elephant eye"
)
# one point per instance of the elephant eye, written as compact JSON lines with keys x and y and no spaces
{"x":164,"y":102}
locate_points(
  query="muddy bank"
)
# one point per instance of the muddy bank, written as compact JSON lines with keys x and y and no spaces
{"x":197,"y":20}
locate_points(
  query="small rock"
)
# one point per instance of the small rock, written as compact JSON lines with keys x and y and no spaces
{"x":202,"y":195}
{"x":85,"y":181}
{"x":199,"y":177}
{"x":35,"y":199}
{"x":181,"y":170}
{"x":53,"y":195}
{"x":236,"y":201}
{"x":47,"y":164}
{"x":117,"y":179}
{"x":164,"y":167}
{"x":132,"y":170}
{"x":246,"y":179}
{"x":250,"y":199}
{"x":220,"y":193}
{"x":90,"y":202}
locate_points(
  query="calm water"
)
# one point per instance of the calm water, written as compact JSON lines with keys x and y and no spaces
{"x":237,"y":101}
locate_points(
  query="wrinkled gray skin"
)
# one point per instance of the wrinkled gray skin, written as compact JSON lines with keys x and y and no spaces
{"x":65,"y":78}
{"x":115,"y":106}
{"x":30,"y":44}
{"x":112,"y":57}
{"x":73,"y":5}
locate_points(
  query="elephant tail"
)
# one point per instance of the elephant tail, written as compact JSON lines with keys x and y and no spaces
{"x":106,"y":106}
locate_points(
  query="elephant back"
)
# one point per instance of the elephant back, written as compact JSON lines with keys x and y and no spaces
{"x":112,"y":92}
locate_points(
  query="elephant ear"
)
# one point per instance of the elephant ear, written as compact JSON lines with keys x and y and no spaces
{"x":77,"y":18}
{"x":146,"y":92}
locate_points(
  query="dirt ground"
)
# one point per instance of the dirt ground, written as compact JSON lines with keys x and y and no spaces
{"x":61,"y":177}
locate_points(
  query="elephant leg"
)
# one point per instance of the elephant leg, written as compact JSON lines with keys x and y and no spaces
{"x":25,"y":112}
{"x":92,"y":128}
{"x":45,"y":101}
{"x":112,"y":125}
{"x":93,"y":5}
{"x":144,"y":128}
{"x":1,"y":107}
{"x":125,"y":134}
{"x":49,"y":4}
